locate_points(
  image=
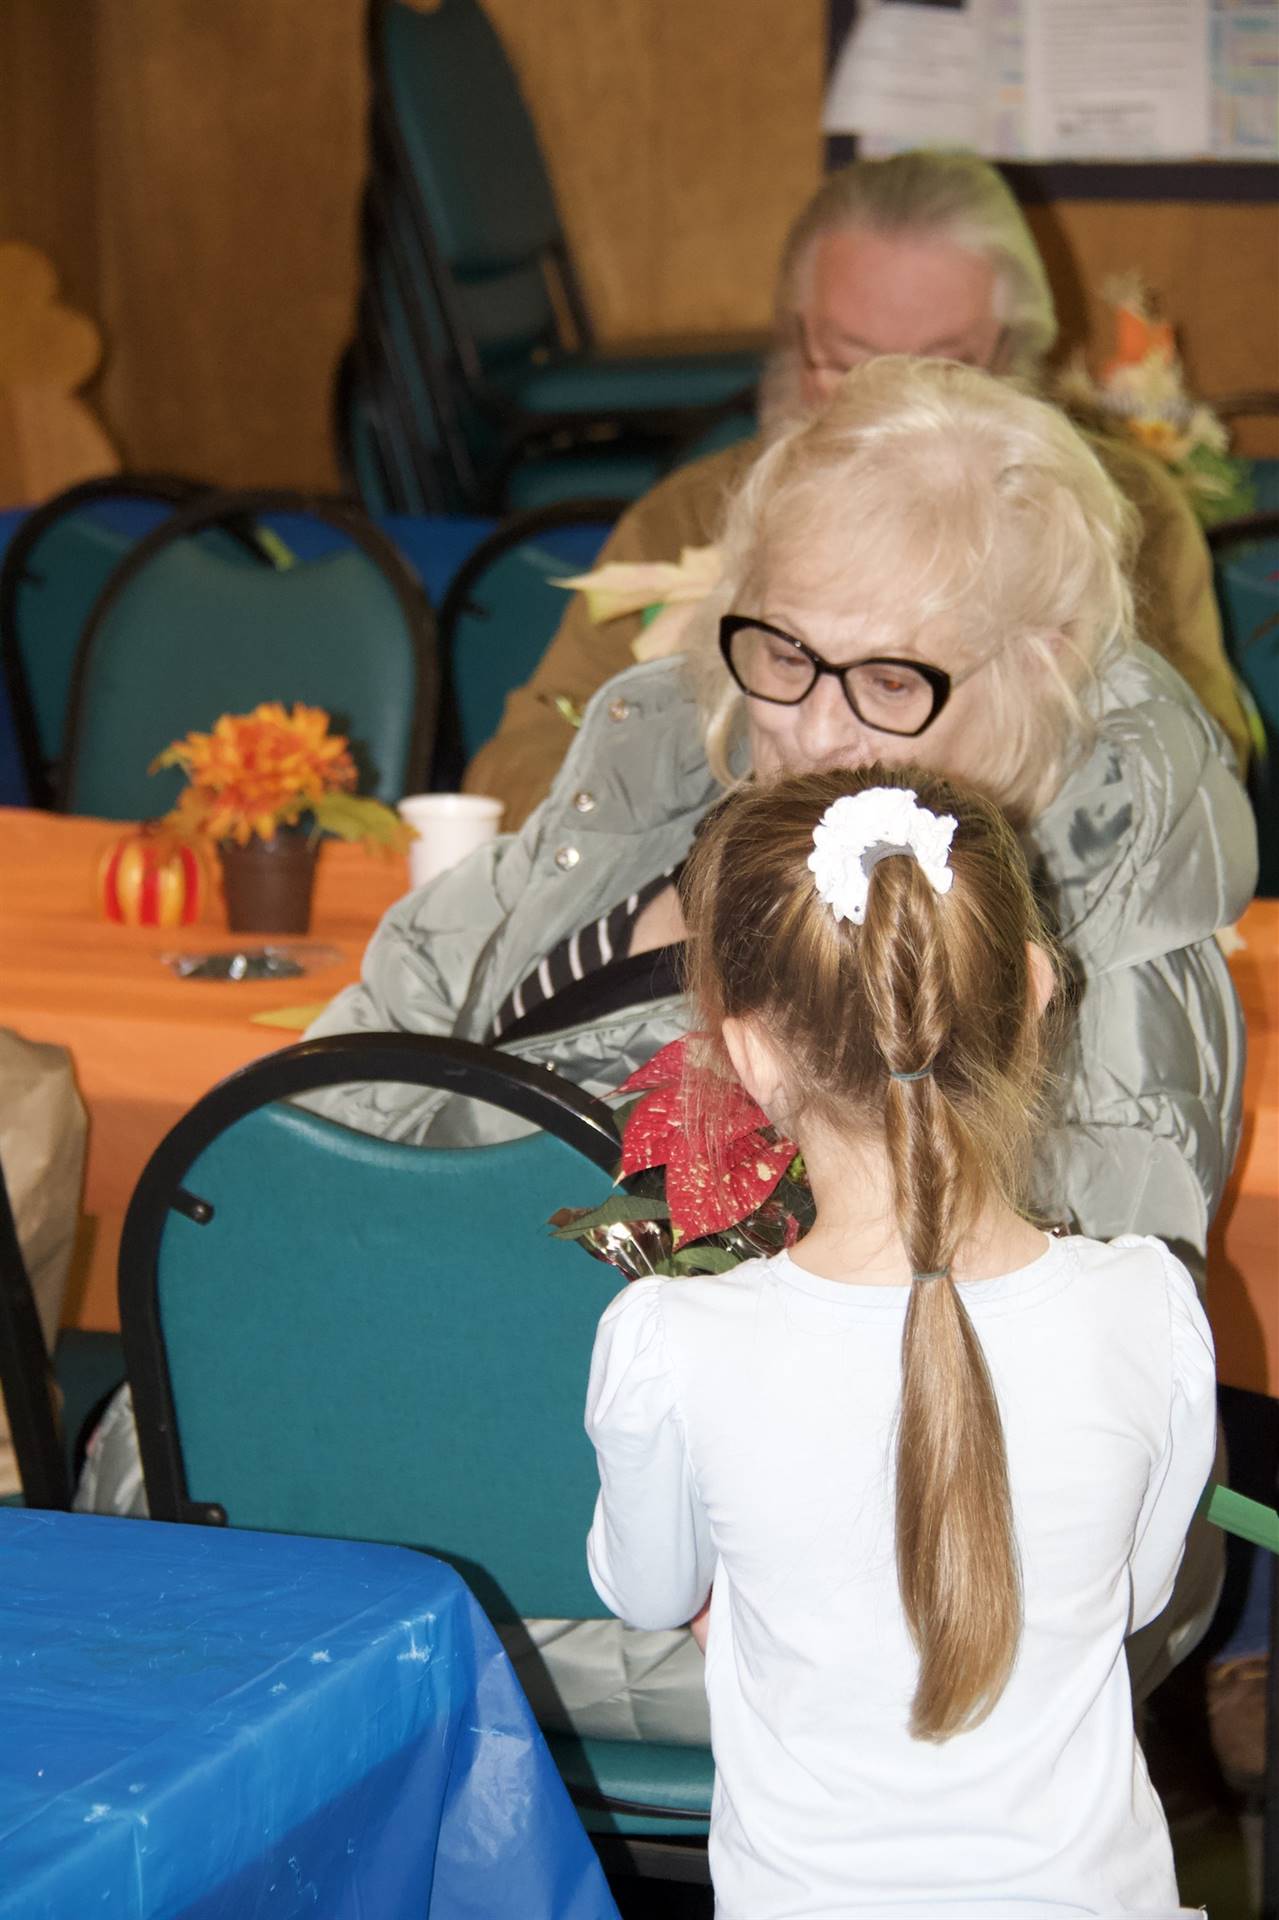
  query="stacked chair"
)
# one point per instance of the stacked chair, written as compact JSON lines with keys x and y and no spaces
{"x":474,"y":382}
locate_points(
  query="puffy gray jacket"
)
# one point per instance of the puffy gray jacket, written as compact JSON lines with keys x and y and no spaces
{"x":1148,"y":849}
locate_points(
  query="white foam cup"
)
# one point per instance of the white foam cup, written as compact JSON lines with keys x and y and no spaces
{"x":449,"y":826}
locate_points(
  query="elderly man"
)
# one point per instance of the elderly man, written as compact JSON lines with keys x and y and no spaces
{"x":924,"y":254}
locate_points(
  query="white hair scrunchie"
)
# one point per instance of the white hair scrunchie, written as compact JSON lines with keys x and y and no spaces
{"x":859,"y":829}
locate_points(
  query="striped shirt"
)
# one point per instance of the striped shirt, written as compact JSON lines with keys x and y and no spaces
{"x":592,"y":947}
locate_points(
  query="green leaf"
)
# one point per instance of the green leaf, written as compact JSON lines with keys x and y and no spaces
{"x":353,"y":816}
{"x":703,"y":1256}
{"x":618,"y":1210}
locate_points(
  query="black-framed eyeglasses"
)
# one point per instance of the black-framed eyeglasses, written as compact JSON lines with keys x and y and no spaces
{"x":888,"y":694}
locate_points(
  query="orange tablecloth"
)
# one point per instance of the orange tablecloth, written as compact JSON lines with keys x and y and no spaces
{"x":1243,"y":1266}
{"x":146,"y":1044}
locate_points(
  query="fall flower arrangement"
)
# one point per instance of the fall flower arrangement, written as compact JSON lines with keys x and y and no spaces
{"x":259,"y":773}
{"x":1142,"y":394}
{"x":710,"y":1181}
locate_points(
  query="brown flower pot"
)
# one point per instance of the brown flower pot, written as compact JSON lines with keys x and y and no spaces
{"x":267,"y":884}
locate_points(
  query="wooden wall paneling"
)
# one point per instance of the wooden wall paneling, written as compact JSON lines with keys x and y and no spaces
{"x":229,"y":145}
{"x":681,"y":139}
{"x":47,"y":80}
{"x":194,"y":172}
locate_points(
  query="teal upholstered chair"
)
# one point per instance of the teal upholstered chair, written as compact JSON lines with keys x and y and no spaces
{"x":55,"y":567}
{"x":457,"y":155}
{"x":180,"y":635}
{"x":1246,"y":563}
{"x":500,"y":614}
{"x":334,"y":1334}
{"x":435,"y":449}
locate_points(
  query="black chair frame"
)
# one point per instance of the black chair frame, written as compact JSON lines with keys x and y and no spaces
{"x":382,"y":238}
{"x":169,"y":489}
{"x":513,"y":532}
{"x":225,"y":509}
{"x":351,"y":384}
{"x":26,"y":1377}
{"x":1245,"y":526}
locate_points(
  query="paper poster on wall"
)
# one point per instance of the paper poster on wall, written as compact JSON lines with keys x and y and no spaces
{"x":912,"y":73}
{"x":1062,"y":79}
{"x":1125,"y":79}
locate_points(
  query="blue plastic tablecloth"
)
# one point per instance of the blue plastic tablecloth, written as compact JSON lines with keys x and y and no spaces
{"x":201,"y":1724}
{"x":434,"y":544}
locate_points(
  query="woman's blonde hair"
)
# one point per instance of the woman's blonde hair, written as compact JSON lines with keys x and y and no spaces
{"x":931,"y":982}
{"x":932,"y":495}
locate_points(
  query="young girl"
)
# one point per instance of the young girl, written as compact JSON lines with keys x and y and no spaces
{"x":936,"y":1465}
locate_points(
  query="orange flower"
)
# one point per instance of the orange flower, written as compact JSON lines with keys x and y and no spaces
{"x":257,"y":772}
{"x":1138,"y":338}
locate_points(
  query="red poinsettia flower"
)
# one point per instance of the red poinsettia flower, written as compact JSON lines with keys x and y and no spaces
{"x":720,"y":1165}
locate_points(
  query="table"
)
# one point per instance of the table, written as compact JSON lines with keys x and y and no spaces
{"x":1243,"y":1255}
{"x":145,"y":1044}
{"x":203,"y":1724}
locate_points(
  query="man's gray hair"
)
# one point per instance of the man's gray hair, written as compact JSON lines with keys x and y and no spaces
{"x":955,"y":196}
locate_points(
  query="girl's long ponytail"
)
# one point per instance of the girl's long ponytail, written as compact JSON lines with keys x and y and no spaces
{"x":957,"y":1565}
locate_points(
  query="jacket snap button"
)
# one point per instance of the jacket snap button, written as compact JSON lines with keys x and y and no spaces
{"x":584,"y":802}
{"x":567,"y":857}
{"x":619,"y":710}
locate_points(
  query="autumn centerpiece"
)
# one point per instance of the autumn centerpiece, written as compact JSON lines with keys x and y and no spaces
{"x":709,"y":1181}
{"x":263,"y":788}
{"x":1142,"y":394}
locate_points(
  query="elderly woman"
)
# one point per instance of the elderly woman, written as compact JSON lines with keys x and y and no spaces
{"x":933,"y":571}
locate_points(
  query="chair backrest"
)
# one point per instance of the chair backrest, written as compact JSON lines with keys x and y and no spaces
{"x":501,"y":611}
{"x":26,"y":1376}
{"x":180,"y":635}
{"x":469,"y":158}
{"x":56,"y":565}
{"x":1246,"y":562}
{"x":334,"y":1334}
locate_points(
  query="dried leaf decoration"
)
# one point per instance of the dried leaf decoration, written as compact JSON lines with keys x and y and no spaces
{"x":720,"y":1166}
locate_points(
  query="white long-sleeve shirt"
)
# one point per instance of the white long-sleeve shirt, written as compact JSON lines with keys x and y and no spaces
{"x":745,"y":1428}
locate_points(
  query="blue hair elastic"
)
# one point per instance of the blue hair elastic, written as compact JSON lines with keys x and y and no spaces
{"x":920,"y":1073}
{"x":939,"y":1273}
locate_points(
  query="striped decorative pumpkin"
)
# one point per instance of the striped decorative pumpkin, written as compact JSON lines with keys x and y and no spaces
{"x":150,"y":880}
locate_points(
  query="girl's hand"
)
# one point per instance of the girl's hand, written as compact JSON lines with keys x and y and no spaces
{"x":700,"y":1623}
